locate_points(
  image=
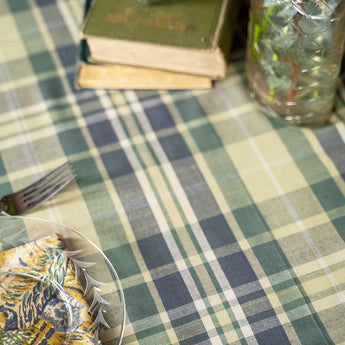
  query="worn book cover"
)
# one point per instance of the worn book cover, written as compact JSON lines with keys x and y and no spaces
{"x":115,"y":76}
{"x":183,"y":36}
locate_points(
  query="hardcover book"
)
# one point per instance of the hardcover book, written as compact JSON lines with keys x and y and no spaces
{"x":186,"y":36}
{"x":115,"y":76}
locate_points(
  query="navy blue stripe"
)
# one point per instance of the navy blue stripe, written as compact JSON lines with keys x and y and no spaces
{"x":185,"y":320}
{"x":237,"y":269}
{"x":262,"y":316}
{"x":117,"y":164}
{"x":217,"y":231}
{"x":173,"y":291}
{"x":235,"y":266}
{"x":155,"y":251}
{"x":197,"y":339}
{"x":102,"y":133}
{"x":174,"y":146}
{"x":333,"y":145}
{"x":251,"y":296}
{"x":159,"y":117}
{"x":273,"y":336}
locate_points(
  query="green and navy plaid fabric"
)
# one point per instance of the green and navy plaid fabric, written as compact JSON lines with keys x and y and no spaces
{"x":225,"y":226}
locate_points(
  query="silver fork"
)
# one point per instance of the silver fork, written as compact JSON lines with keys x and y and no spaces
{"x":34,"y":195}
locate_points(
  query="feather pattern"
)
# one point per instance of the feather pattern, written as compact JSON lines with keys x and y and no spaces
{"x":41,"y":311}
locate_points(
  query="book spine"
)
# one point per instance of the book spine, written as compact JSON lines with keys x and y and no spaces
{"x":82,"y":57}
{"x":227,"y":27}
{"x":222,"y":18}
{"x":89,"y":5}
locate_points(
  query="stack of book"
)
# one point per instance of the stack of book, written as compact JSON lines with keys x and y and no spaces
{"x":181,"y":44}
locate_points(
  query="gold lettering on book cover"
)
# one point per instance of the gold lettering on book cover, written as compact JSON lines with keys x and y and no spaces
{"x":170,"y":21}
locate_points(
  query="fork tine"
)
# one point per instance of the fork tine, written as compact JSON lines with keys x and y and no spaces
{"x":48,"y":187}
{"x":55,"y":173}
{"x":47,"y":183}
{"x":49,"y":192}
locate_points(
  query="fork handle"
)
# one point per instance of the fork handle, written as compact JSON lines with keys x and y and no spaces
{"x":7,"y":206}
{"x":3,"y":206}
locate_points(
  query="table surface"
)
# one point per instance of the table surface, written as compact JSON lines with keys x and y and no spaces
{"x":225,"y":226}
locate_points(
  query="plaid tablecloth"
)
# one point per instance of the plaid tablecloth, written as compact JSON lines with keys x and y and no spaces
{"x":225,"y":226}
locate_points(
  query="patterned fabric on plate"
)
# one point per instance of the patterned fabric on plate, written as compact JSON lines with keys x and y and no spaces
{"x":48,"y":310}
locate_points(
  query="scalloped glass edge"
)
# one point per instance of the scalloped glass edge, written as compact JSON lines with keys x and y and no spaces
{"x":98,"y":250}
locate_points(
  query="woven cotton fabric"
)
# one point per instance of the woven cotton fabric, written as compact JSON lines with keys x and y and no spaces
{"x":225,"y":226}
{"x":35,"y":311}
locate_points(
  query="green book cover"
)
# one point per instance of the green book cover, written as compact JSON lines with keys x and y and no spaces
{"x":186,"y":23}
{"x":112,"y":76}
{"x":186,"y":36}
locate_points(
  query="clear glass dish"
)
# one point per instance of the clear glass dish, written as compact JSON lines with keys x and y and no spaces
{"x":56,"y":286}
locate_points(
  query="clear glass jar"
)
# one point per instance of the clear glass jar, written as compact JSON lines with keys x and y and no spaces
{"x":293,"y":58}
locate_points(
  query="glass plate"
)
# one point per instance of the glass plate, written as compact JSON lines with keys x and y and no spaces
{"x":57,"y":286}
